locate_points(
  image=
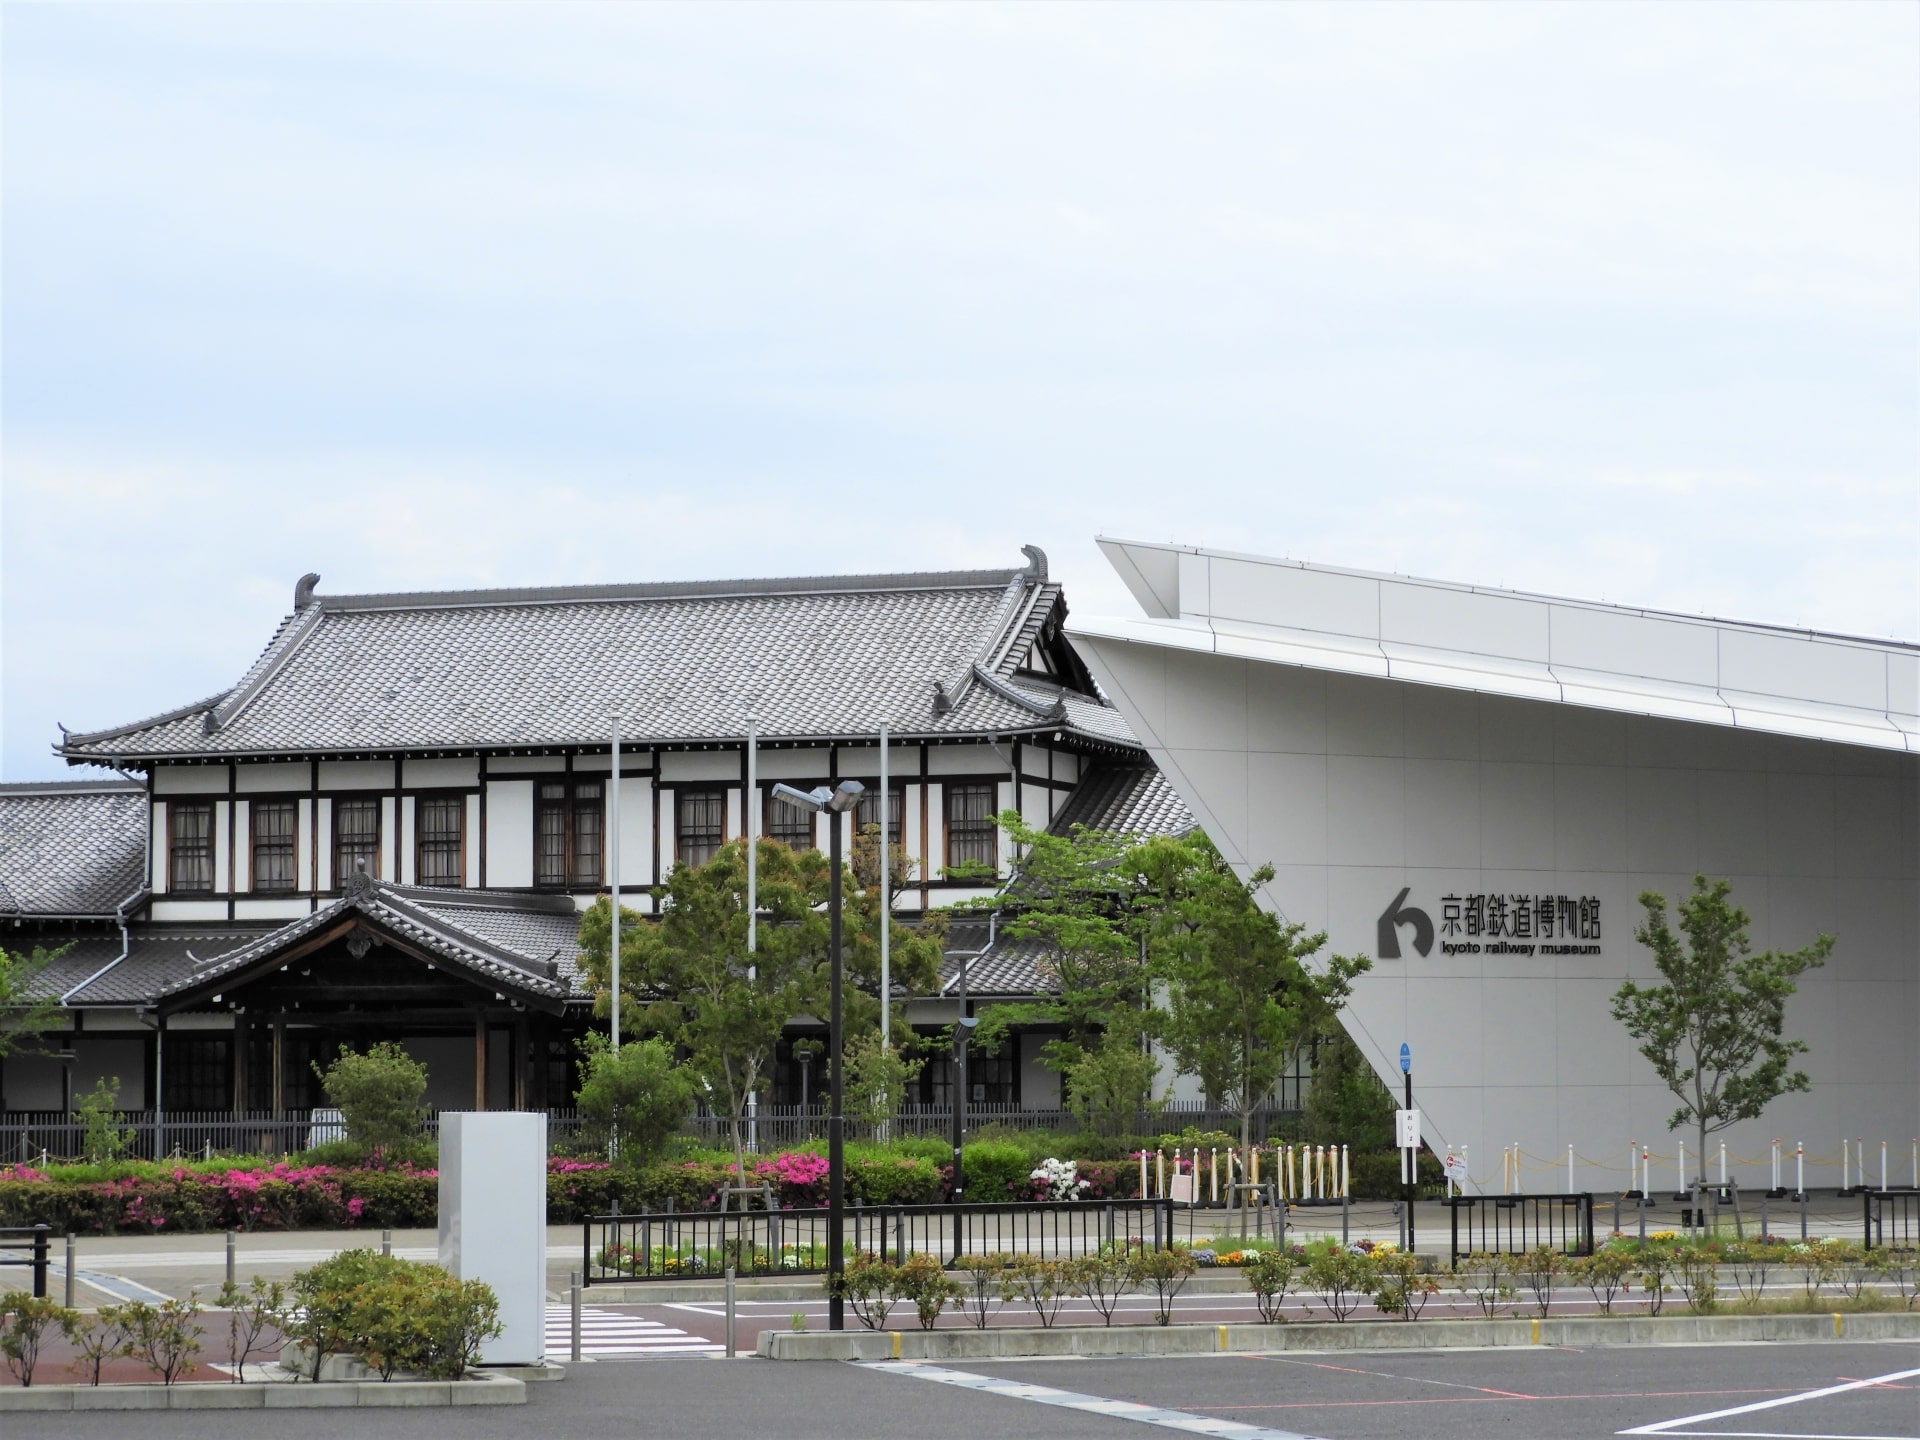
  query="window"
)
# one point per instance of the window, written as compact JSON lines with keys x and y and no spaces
{"x":868,"y":812}
{"x":273,"y":849}
{"x":568,"y":822}
{"x":441,"y":821}
{"x":701,"y":827}
{"x":197,"y":1074}
{"x":190,"y":845}
{"x":356,"y":839}
{"x":972,"y":835}
{"x":788,"y":823}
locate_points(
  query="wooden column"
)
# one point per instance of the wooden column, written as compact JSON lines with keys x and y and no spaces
{"x":279,"y":1067}
{"x":479,"y":1059}
{"x":242,"y":1033}
{"x":522,"y":1045}
{"x":537,"y":1065}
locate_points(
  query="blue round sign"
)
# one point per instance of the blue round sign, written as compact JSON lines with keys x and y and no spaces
{"x":1406,"y":1058}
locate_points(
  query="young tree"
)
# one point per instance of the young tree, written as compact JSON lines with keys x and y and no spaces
{"x":25,"y":1010}
{"x":636,"y":1100}
{"x":1070,"y":902}
{"x":379,"y":1094}
{"x":1346,"y":1101}
{"x":1714,"y":1030}
{"x":1241,"y":996}
{"x":688,"y":975}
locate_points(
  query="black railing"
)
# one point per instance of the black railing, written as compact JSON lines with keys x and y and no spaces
{"x":32,"y":1252}
{"x":703,"y":1244}
{"x":1515,"y":1224}
{"x":1891,"y":1219}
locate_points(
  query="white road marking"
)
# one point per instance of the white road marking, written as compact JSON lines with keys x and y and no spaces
{"x":1672,"y":1427}
{"x":1093,"y":1404}
{"x":613,"y":1335}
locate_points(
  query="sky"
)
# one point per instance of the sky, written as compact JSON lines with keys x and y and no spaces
{"x":1613,"y":301}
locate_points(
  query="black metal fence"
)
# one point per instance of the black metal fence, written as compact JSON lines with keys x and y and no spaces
{"x":616,"y":1249}
{"x":26,"y":1135}
{"x":27,"y":1245}
{"x":1891,"y":1219}
{"x":1515,"y":1224}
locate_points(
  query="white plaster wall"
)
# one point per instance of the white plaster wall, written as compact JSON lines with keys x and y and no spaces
{"x":303,"y":857}
{"x":1354,"y":787}
{"x":473,"y":841}
{"x":789,"y":765}
{"x":243,"y":845}
{"x":281,"y":907}
{"x":1039,"y":1086}
{"x":636,"y":831}
{"x":157,"y":848}
{"x":707,"y":765}
{"x":190,"y":780}
{"x":356,"y":774}
{"x":667,"y":819}
{"x":509,"y":836}
{"x":324,"y":869}
{"x":277,"y":776}
{"x":389,"y":840}
{"x":458,"y":771}
{"x":222,"y":834}
{"x":963,"y":760}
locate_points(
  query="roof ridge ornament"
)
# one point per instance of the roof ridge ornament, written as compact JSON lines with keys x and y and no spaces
{"x":303,"y":589}
{"x":359,"y":884}
{"x":1036,"y":562}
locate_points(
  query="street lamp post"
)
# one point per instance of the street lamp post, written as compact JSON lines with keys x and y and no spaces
{"x":833,"y":803}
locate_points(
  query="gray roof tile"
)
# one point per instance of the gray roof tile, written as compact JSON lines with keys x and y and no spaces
{"x":71,"y":848}
{"x":1125,"y":799}
{"x":816,"y":658}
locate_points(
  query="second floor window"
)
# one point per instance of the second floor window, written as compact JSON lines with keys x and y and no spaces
{"x":972,"y":836}
{"x":789,"y":824}
{"x":567,"y":830}
{"x":190,"y":845}
{"x":700,"y":825}
{"x":273,"y":844}
{"x":868,"y":812}
{"x":356,"y":838}
{"x":441,"y":822}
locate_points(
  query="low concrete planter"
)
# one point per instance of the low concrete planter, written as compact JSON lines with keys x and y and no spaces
{"x":482,"y":1389}
{"x":1583,"y":1332}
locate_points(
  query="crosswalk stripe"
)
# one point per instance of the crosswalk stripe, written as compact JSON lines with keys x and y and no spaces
{"x":612,"y":1334}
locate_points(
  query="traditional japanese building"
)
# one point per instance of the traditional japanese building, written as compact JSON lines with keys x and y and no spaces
{"x":388,"y":827}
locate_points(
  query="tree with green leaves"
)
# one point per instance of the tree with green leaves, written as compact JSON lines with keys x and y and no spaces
{"x":1714,"y":1031}
{"x":27,"y":1009}
{"x":635,"y":1101}
{"x":1346,"y":1101}
{"x":1243,"y":990}
{"x":379,"y":1093}
{"x":1071,"y":902}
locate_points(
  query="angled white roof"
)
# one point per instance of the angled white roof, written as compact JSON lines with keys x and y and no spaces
{"x":1646,"y":662}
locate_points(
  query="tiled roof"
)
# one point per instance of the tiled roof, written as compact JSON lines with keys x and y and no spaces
{"x":1010,"y":967}
{"x":157,"y":956}
{"x":71,"y":848}
{"x":811,"y":658}
{"x":1125,"y":799}
{"x":397,"y":910}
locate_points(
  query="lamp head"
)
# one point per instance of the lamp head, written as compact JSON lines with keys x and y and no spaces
{"x":844,"y":796}
{"x":813,"y":800}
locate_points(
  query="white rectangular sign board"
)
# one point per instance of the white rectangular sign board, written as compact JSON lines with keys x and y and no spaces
{"x":493,"y":1220}
{"x":1406,"y":1124}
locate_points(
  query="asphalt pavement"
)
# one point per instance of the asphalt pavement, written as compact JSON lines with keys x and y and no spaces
{"x":1790,"y":1392}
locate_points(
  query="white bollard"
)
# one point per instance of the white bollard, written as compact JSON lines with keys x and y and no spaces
{"x":1723,"y":1164}
{"x":1570,"y":1185}
{"x":1799,"y":1168}
{"x":1213,"y":1177}
{"x":1681,"y":1186}
{"x":1467,"y":1165}
{"x":1646,"y":1171}
{"x":1883,"y":1165}
{"x":1860,"y":1160}
{"x":1143,"y":1174}
{"x":1346,"y":1173}
{"x":1776,"y":1166}
{"x":1519,"y":1185}
{"x":1845,"y":1182}
{"x":1916,"y":1164}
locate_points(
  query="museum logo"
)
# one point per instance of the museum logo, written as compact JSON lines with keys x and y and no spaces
{"x":1496,"y":925}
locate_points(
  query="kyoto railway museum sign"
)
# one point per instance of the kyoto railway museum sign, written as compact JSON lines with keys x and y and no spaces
{"x":1500,"y":924}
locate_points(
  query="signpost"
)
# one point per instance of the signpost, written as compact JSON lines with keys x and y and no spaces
{"x":1408,"y":1121}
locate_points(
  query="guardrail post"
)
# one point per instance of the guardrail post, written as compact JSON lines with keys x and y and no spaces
{"x":70,"y":1281}
{"x":386,"y":1243}
{"x":573,"y":1298}
{"x":230,"y":1257}
{"x":1346,"y":1211}
{"x":730,"y":1303}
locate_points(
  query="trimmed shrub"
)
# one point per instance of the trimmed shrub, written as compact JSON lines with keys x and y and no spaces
{"x":996,"y":1172}
{"x":379,"y":1094}
{"x":397,"y":1315}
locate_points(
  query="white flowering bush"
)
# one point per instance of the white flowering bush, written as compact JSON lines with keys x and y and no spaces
{"x":1057,"y":1180}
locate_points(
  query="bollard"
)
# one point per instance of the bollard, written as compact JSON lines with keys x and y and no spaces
{"x":1642,"y":1207}
{"x":1766,"y":1233}
{"x":230,"y":1257}
{"x":386,"y":1243}
{"x":730,"y":1312}
{"x":70,"y":1304}
{"x":1346,"y":1211}
{"x":573,"y":1305}
{"x":1883,"y":1165}
{"x":1803,"y":1217}
{"x":40,"y":1262}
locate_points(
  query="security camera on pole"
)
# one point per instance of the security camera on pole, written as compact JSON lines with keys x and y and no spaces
{"x":833,"y":803}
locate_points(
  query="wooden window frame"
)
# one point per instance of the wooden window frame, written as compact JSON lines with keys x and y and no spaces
{"x":681,"y":796}
{"x":175,"y":810}
{"x":342,"y":865}
{"x":896,"y":811}
{"x":768,"y":802}
{"x":950,"y":792}
{"x":457,"y":799}
{"x":571,"y":806}
{"x":254,"y":809}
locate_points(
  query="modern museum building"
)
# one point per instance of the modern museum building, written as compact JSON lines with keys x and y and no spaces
{"x":1473,"y":787}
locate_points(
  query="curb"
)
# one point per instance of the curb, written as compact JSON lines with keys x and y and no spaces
{"x":1011,"y":1342}
{"x":327,"y":1395}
